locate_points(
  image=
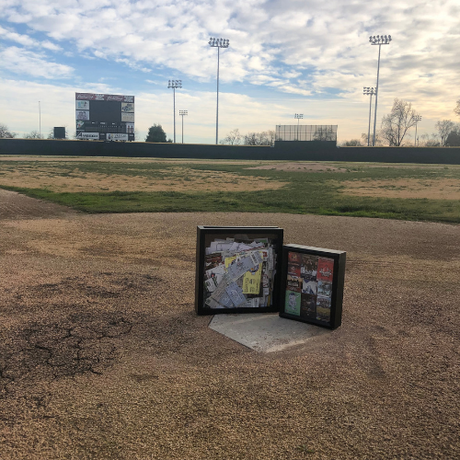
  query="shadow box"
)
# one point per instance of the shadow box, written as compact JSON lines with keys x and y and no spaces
{"x":238,"y":269}
{"x":312,"y":281}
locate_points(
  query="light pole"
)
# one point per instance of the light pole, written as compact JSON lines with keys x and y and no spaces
{"x":174,"y":84}
{"x":417,"y":118}
{"x":182,"y":113}
{"x":39,"y":120}
{"x":378,"y":40}
{"x":218,"y":43}
{"x":369,"y":91}
{"x":298,"y":116}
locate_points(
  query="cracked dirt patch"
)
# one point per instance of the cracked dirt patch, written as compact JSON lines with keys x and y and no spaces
{"x":78,"y":344}
{"x":60,"y":329}
{"x":84,"y":293}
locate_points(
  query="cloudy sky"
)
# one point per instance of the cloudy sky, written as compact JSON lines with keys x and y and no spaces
{"x":285,"y":57}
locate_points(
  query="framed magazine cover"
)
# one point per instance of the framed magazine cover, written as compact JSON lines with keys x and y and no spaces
{"x":238,"y":269}
{"x":312,"y":281}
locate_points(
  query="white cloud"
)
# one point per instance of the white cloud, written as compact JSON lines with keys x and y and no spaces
{"x":26,"y":40}
{"x":31,"y":63}
{"x":300,"y":49}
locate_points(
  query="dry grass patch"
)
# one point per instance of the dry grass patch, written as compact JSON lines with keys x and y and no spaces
{"x":176,"y":179}
{"x":141,"y":160}
{"x":301,"y":167}
{"x":435,"y":189}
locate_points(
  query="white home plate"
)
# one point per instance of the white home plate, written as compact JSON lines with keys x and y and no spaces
{"x":265,"y":332}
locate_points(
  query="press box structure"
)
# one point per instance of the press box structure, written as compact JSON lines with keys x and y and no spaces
{"x":105,"y":117}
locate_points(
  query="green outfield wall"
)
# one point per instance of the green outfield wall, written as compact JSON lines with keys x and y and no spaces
{"x":292,"y":151}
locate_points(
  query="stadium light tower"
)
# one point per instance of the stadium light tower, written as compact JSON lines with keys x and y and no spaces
{"x":298,"y":117}
{"x":39,"y":120}
{"x":378,"y":40}
{"x":218,"y":43}
{"x":417,"y":118}
{"x":174,"y":84}
{"x":369,"y":91}
{"x":182,"y":113}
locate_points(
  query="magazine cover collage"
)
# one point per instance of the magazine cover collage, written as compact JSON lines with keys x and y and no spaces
{"x":309,"y":286}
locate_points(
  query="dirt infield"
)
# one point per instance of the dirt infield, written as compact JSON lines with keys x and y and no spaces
{"x":103,"y":357}
{"x":16,"y":206}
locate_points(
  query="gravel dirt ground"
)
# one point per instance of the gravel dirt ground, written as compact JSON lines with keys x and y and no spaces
{"x":103,"y":357}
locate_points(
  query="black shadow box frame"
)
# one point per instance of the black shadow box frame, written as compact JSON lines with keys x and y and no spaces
{"x":206,"y":235}
{"x":312,"y":281}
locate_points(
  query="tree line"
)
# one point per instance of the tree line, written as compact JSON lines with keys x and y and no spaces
{"x":234,"y":137}
{"x":155,"y":134}
{"x":396,"y":124}
{"x":5,"y":133}
{"x":394,"y":129}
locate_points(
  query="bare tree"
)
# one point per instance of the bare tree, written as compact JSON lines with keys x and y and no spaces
{"x":444,"y":127}
{"x":352,"y":143}
{"x":430,"y":140}
{"x":324,"y":134}
{"x":233,"y":138}
{"x":457,"y":108}
{"x":33,"y":135}
{"x":378,"y":139}
{"x":396,"y":124}
{"x":263,"y":138}
{"x":5,"y":132}
{"x":251,"y":139}
{"x":270,"y":136}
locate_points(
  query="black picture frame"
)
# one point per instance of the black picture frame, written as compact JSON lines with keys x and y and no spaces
{"x":214,"y":272}
{"x":312,"y":281}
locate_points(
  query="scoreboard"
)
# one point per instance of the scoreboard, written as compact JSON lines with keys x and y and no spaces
{"x":104,"y":117}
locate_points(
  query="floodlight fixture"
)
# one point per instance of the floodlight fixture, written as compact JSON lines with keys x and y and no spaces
{"x":378,"y":40}
{"x":183,"y":113}
{"x":174,"y":84}
{"x":218,"y":43}
{"x":369,"y":90}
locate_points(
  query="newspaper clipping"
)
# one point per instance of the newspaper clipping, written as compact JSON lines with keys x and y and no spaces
{"x":239,"y":272}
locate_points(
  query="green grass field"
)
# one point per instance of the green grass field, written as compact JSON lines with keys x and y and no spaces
{"x":304,"y":191}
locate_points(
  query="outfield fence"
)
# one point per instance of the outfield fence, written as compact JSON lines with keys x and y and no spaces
{"x":282,"y":150}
